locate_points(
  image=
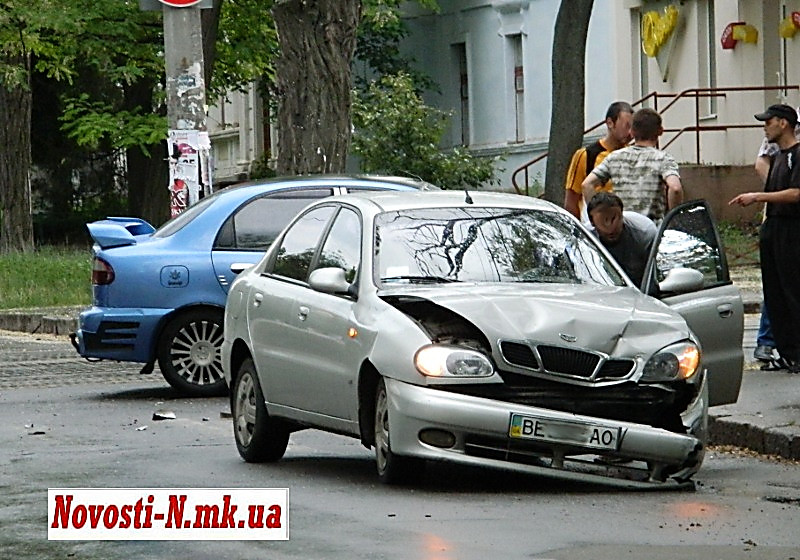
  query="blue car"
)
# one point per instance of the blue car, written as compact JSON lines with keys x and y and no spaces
{"x":158,"y":295}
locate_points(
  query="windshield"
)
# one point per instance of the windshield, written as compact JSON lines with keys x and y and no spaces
{"x":435,"y":245}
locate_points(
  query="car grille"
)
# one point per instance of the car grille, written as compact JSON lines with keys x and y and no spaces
{"x":565,"y":361}
{"x":654,"y":405}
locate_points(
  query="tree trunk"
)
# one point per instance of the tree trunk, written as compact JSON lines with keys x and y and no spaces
{"x":317,"y":40}
{"x":147,"y":175}
{"x":148,"y":183}
{"x":209,"y":20}
{"x":16,"y":223}
{"x":567,"y":117}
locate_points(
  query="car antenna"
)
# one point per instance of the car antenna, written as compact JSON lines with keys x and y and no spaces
{"x":468,"y":200}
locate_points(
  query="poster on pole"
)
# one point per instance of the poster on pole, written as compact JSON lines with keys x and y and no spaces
{"x":184,"y":169}
{"x":206,"y":162}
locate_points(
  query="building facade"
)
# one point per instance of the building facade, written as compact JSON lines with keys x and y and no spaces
{"x":492,"y":62}
{"x":723,"y":61}
{"x":707,"y":65}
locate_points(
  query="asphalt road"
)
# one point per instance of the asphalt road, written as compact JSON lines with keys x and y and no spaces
{"x":65,"y":423}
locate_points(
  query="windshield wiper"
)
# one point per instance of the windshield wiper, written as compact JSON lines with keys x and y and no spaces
{"x":420,"y":279}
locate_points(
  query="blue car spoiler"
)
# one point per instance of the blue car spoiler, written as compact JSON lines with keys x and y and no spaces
{"x":118,"y":232}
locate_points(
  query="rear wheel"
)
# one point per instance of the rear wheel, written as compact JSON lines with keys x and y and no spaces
{"x":392,"y":469}
{"x":189,"y":353}
{"x":259,"y":437}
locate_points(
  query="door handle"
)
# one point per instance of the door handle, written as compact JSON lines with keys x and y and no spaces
{"x":725,"y":311}
{"x":257,"y":299}
{"x":302,"y":313}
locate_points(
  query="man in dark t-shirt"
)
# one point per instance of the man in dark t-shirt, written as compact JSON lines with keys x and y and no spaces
{"x":780,"y":233}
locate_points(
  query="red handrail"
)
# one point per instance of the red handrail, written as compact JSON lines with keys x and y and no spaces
{"x":697,"y":128}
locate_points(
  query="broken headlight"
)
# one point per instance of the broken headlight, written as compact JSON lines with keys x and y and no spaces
{"x":672,"y":363}
{"x":437,"y":360}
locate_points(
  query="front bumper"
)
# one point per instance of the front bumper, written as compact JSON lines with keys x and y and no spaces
{"x":481,"y":433}
{"x":121,"y":334}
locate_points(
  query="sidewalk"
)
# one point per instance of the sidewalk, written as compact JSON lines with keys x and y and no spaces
{"x":766,"y":418}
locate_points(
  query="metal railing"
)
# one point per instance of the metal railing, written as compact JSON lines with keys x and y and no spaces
{"x":522,"y":173}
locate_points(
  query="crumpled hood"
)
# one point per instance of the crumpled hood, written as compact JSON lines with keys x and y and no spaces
{"x":616,"y":321}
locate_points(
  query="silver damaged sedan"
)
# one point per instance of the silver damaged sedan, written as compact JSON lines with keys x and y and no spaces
{"x":485,"y":329}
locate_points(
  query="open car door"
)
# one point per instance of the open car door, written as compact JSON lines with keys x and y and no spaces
{"x":688,"y":239}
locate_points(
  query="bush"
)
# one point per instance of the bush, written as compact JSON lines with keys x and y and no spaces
{"x":397,"y":134}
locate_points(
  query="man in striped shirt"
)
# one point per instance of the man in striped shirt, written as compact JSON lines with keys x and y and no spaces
{"x":645,"y":178}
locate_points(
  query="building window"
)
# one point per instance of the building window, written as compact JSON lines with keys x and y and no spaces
{"x":783,"y":77}
{"x":460,"y":56}
{"x":518,"y":81}
{"x":636,"y":47}
{"x":706,"y":56}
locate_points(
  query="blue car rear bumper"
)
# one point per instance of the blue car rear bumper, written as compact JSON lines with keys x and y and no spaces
{"x":123,"y":334}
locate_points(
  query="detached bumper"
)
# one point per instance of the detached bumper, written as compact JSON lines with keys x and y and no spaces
{"x":567,"y":444}
{"x":126,"y":335}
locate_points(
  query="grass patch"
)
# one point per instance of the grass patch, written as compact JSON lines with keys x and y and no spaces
{"x":48,"y":277}
{"x":741,"y":243}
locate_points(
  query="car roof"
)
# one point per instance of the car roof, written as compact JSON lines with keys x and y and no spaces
{"x":387,"y":201}
{"x":328,"y":180}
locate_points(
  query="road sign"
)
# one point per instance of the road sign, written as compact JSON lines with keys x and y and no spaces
{"x":180,"y":3}
{"x":159,"y":4}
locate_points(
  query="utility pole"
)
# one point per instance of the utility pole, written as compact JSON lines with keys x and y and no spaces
{"x":189,"y":146}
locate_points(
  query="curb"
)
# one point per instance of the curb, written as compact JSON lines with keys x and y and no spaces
{"x":57,"y":321}
{"x":756,"y":433}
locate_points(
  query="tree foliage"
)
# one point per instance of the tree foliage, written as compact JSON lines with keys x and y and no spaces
{"x":396,"y":133}
{"x":95,"y":71}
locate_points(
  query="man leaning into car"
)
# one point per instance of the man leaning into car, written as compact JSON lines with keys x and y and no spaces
{"x":628,"y":236}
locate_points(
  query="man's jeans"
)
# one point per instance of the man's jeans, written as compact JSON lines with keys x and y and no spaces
{"x":764,"y":337}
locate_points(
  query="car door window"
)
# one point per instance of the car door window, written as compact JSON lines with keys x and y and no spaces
{"x":300,"y":243}
{"x":342,"y":248}
{"x":689,"y":239}
{"x":256,"y":225}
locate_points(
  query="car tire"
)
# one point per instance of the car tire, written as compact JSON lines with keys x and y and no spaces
{"x":189,"y":353}
{"x":392,"y":468}
{"x":259,"y":438}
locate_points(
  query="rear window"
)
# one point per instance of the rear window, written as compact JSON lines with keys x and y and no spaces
{"x":256,"y":225}
{"x":178,"y":222}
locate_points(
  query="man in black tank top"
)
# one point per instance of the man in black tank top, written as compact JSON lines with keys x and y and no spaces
{"x":780,"y":233}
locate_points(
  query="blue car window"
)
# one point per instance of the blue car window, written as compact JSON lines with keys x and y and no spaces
{"x":342,"y":248}
{"x":255,"y":225}
{"x":300,"y":243}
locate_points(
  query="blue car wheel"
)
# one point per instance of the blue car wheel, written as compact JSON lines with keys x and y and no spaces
{"x":189,"y":353}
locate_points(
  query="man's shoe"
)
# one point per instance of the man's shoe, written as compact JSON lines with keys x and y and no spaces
{"x":763,"y":353}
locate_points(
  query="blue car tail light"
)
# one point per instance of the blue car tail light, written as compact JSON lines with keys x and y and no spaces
{"x":102,"y":272}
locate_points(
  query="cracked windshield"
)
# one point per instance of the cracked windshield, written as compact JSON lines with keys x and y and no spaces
{"x":487,"y":245}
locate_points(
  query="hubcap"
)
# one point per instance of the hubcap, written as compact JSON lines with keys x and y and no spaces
{"x":381,"y":431}
{"x":244,"y":409}
{"x":196,"y":353}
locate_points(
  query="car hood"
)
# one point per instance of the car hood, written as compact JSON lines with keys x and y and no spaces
{"x":613,"y":320}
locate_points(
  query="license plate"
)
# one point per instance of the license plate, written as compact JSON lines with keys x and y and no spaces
{"x":593,"y":435}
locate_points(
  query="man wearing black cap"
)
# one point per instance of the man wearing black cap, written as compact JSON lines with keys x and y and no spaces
{"x":780,"y":249}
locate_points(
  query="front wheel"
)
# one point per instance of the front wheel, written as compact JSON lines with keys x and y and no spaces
{"x":392,"y":469}
{"x":259,"y":437}
{"x":189,"y":354}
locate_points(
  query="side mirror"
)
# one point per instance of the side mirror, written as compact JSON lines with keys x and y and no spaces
{"x":681,"y":280}
{"x":239,"y":267}
{"x":329,"y":280}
